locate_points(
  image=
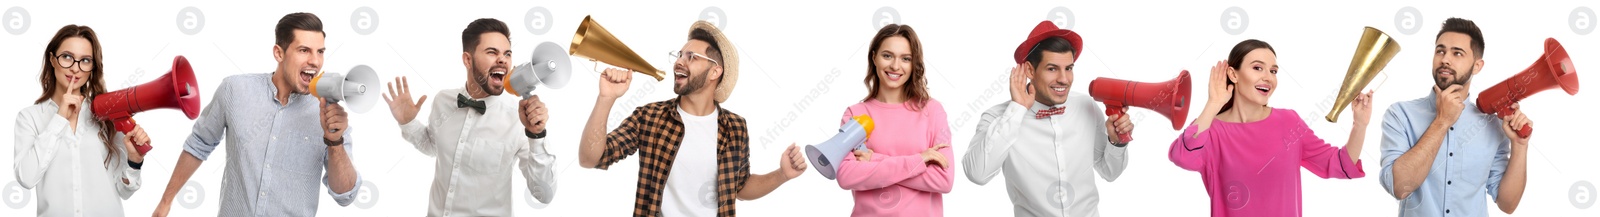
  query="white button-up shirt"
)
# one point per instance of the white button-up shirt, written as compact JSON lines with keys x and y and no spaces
{"x":69,"y":169}
{"x":473,"y":153}
{"x":1046,"y":161}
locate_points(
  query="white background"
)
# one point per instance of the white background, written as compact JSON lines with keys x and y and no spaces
{"x":802,"y":64}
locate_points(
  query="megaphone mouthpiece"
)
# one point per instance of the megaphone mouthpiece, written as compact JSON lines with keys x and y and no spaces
{"x":350,"y":88}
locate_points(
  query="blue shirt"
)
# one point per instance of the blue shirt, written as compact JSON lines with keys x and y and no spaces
{"x":1471,"y":159}
{"x":275,"y":157}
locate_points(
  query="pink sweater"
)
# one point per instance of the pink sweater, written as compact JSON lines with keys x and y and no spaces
{"x":1253,"y":169}
{"x":897,"y":182}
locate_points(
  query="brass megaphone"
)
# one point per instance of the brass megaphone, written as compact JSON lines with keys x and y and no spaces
{"x":1372,"y":54}
{"x":595,"y":43}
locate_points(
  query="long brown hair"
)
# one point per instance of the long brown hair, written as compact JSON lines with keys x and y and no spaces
{"x":916,"y":88}
{"x":96,"y":84}
{"x":1236,"y":60}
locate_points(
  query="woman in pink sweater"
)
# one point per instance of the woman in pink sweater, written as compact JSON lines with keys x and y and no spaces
{"x":1249,"y":155}
{"x":905,"y":168}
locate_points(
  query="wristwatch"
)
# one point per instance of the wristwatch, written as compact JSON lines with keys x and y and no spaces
{"x":331,"y":143}
{"x":532,"y":135}
{"x":1115,"y":143}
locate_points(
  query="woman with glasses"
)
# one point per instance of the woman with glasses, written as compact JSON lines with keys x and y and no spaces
{"x":905,"y":168}
{"x":80,"y":165}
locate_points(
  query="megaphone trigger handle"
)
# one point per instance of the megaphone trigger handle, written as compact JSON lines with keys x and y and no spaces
{"x":594,"y":65}
{"x":125,"y":125}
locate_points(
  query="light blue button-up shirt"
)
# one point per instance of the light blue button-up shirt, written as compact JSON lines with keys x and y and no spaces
{"x":275,"y":157}
{"x":1467,"y":170}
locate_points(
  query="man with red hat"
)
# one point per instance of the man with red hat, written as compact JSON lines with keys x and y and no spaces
{"x":1047,"y":139}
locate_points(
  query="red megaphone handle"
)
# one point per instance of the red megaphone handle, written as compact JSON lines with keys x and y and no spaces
{"x":1113,"y":110}
{"x":1527,"y":129}
{"x":126,"y":125}
{"x":142,"y":149}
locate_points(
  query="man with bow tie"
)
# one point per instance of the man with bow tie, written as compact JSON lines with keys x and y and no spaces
{"x":475,"y":135}
{"x":1047,"y":139}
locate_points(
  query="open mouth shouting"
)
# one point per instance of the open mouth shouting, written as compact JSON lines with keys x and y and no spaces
{"x":497,"y":75}
{"x":306,"y":75}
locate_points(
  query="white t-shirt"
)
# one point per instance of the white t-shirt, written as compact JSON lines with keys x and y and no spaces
{"x":691,"y":187}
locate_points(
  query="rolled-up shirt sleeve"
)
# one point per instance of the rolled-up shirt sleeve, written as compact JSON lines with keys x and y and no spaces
{"x":209,"y":127}
{"x":1396,"y":141}
{"x":344,"y":198}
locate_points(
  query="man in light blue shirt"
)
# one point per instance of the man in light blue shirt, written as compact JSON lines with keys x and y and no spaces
{"x":1441,"y":156}
{"x":280,"y":139}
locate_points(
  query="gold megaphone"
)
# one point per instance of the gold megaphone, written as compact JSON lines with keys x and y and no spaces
{"x":597,"y":44}
{"x":1372,"y":54}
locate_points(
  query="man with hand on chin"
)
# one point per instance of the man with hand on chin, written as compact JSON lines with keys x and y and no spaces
{"x":1441,"y":156}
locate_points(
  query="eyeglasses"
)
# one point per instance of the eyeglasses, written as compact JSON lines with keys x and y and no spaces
{"x":681,"y":55}
{"x":67,"y":61}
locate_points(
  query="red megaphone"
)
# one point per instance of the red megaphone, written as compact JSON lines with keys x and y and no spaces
{"x":1170,"y":98}
{"x":1553,"y":69}
{"x":177,"y":89}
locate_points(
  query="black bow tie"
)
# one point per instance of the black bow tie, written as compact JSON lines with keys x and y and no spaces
{"x":463,"y":101}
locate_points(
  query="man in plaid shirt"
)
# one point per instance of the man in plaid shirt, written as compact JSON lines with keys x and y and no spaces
{"x":690,"y":148}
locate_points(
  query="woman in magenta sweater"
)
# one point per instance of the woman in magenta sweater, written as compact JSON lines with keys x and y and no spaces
{"x":1249,"y":155}
{"x":905,"y":168}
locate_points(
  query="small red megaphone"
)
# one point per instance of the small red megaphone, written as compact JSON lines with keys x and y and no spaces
{"x":1170,"y":98}
{"x":1551,"y":70}
{"x":177,"y":89}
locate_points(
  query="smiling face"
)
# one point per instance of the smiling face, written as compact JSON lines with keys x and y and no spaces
{"x":1052,"y":77}
{"x":73,"y":77}
{"x":1453,"y":60}
{"x":1256,"y":78}
{"x":892,"y":62}
{"x":489,"y":62}
{"x":692,"y":71}
{"x":301,"y":60}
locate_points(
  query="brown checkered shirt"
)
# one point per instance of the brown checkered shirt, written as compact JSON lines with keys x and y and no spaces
{"x":654,"y":131}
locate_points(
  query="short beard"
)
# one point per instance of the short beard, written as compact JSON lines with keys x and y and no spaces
{"x":481,"y":77}
{"x":1462,"y":80}
{"x":694,"y":83}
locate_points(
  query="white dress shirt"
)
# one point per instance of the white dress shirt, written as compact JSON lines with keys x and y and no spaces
{"x":69,"y":169}
{"x":473,"y":153}
{"x":1046,"y":161}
